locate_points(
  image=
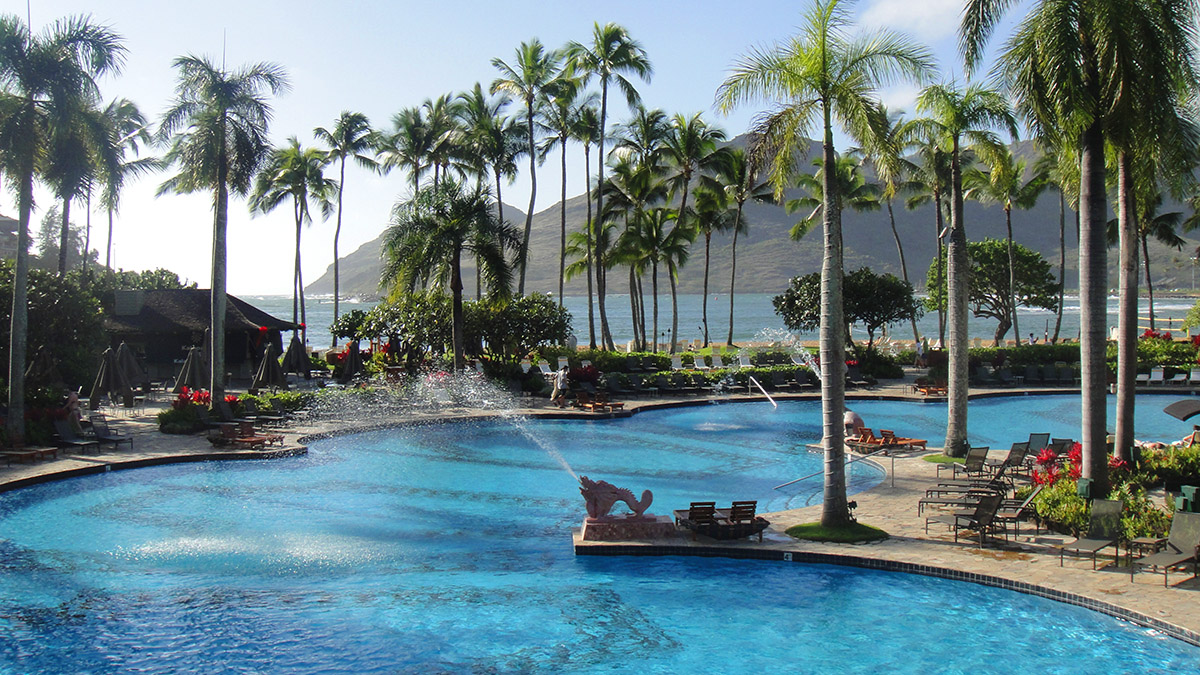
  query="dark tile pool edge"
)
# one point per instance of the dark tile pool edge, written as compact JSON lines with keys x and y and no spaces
{"x":102,"y":466}
{"x":812,"y":557}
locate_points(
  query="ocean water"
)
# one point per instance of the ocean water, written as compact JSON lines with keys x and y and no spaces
{"x":754,"y":313}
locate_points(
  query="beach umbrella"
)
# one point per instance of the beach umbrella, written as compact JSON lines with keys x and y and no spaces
{"x":353,"y":364}
{"x":191,"y":375}
{"x":131,"y":367}
{"x":295,"y":359}
{"x":103,"y":378}
{"x":1184,"y":409}
{"x":269,"y":373}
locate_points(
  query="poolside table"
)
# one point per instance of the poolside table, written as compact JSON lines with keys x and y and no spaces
{"x":1143,"y":545}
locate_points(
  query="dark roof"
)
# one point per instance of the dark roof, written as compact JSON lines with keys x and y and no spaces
{"x":183,"y":310}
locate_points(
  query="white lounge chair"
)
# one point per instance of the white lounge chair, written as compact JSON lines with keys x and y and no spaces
{"x":1194,"y":378}
{"x":1156,"y":375}
{"x":544,"y":366}
{"x":676,"y":362}
{"x":744,"y":361}
{"x":700,"y":363}
{"x":718,"y":362}
{"x":564,"y":362}
{"x":526,"y":364}
{"x":1178,"y":378}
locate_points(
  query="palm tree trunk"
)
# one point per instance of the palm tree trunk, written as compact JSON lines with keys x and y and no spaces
{"x":1127,"y":308}
{"x":524,"y":255}
{"x":674,"y":307}
{"x":957,"y":271}
{"x":20,"y":314}
{"x":1093,"y":297}
{"x":654,"y":300}
{"x":1149,"y":284}
{"x":834,"y":512}
{"x":456,"y":317}
{"x":500,"y":215}
{"x":296,"y":271}
{"x":635,"y":298}
{"x":1012,"y":274}
{"x":1062,"y":260}
{"x":87,"y":236}
{"x":587,"y":166}
{"x":562,"y":242}
{"x":903,"y":267}
{"x":601,"y":287}
{"x":737,"y":223}
{"x":704,"y":300}
{"x":217,"y":301}
{"x":108,"y":245}
{"x":337,"y":233}
{"x":64,"y":237}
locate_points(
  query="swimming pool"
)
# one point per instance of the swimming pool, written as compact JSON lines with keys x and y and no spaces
{"x":445,"y":548}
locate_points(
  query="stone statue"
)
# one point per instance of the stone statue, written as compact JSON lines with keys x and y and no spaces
{"x":602,"y":495}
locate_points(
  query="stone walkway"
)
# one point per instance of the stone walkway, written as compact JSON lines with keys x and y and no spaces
{"x":1030,"y":559}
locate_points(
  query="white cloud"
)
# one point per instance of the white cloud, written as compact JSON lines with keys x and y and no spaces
{"x":929,"y":20}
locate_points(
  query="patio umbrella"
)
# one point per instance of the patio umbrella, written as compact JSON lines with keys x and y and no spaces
{"x":353,"y":364}
{"x":295,"y":359}
{"x":269,"y":373}
{"x":191,"y":375}
{"x":131,"y":367}
{"x":1183,"y":409}
{"x":110,"y":380}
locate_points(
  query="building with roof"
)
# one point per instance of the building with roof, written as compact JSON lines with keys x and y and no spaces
{"x":162,"y":325}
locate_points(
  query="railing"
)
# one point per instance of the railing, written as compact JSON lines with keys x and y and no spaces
{"x":856,"y":459}
{"x":764,"y":391}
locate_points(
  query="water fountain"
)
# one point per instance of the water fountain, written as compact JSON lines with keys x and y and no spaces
{"x":786,"y":341}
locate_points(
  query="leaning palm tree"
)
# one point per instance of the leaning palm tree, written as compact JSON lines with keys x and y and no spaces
{"x":39,"y":74}
{"x":1091,"y":72}
{"x":528,"y":79}
{"x":350,"y":138}
{"x":959,"y":115}
{"x":739,"y":178}
{"x":217,"y":131}
{"x":1002,"y":180}
{"x":128,"y":131}
{"x":430,"y":233}
{"x":824,"y":74}
{"x":690,"y":151}
{"x":297,"y":173}
{"x":611,"y":54}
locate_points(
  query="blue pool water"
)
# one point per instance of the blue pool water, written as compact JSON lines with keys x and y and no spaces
{"x":446,"y":548}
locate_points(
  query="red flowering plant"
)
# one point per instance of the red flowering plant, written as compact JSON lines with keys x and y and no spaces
{"x":586,"y":374}
{"x":231,"y":399}
{"x":1150,"y":334}
{"x":1047,"y":457}
{"x":1047,"y":476}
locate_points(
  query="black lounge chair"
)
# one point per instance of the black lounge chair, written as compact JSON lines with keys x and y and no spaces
{"x":1104,"y":530}
{"x":104,"y":434}
{"x":699,"y":516}
{"x":1183,"y":546}
{"x":701,"y":383}
{"x":206,"y":419}
{"x":740,"y":521}
{"x":666,"y":386}
{"x":1038,"y":442}
{"x":973,"y":464}
{"x":260,"y":416}
{"x":225,"y":413}
{"x":981,"y":519}
{"x":612,"y":383}
{"x":640,"y":387}
{"x":67,"y":438}
{"x":1033,"y":375}
{"x":1015,"y":513}
{"x":780,"y":380}
{"x":1016,"y":456}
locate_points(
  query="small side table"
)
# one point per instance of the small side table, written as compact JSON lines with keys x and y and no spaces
{"x":1143,"y":545}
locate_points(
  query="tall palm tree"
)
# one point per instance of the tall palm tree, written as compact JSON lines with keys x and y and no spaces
{"x":430,"y":233}
{"x":852,"y":191}
{"x":297,"y":173}
{"x":77,"y":149}
{"x":690,"y":151}
{"x":1060,"y":164}
{"x":445,"y":134}
{"x":493,"y":140}
{"x":1118,"y":70}
{"x":1002,"y":180}
{"x":40,"y":74}
{"x":559,"y":111}
{"x":527,"y":80}
{"x":217,"y":132}
{"x":611,"y":54}
{"x":959,"y":115}
{"x":931,"y":185}
{"x":407,"y":146}
{"x":350,"y":138}
{"x":739,"y":177}
{"x":823,"y":74}
{"x":712,"y":214}
{"x":128,"y":131}
{"x":585,"y":128}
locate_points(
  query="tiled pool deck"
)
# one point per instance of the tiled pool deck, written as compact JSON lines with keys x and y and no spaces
{"x":1029,"y":564}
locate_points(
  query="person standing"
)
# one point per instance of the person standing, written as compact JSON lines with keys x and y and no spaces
{"x":559,"y":395}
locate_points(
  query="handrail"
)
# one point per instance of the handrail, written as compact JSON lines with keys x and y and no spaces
{"x":818,"y":473}
{"x":764,"y":391}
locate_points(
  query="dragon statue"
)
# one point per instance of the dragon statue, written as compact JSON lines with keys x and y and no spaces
{"x":602,"y":495}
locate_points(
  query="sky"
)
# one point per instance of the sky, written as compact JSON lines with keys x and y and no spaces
{"x":379,"y":57}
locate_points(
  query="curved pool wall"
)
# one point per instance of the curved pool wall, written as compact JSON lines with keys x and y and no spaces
{"x":444,"y":548}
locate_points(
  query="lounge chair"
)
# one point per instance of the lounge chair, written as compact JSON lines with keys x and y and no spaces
{"x":641,"y":387}
{"x":67,"y":438}
{"x":1194,"y":378}
{"x":526,"y":364}
{"x":601,"y":398}
{"x":1104,"y":530}
{"x":699,"y":363}
{"x":1032,"y":375}
{"x":973,"y":463}
{"x":564,"y":362}
{"x":866,"y":438}
{"x":1142,"y":378}
{"x":699,"y":515}
{"x":890,"y":439}
{"x":612,"y":382}
{"x":544,"y":366}
{"x":1022,"y":511}
{"x":1182,"y":546}
{"x":1156,"y":376}
{"x":718,"y":361}
{"x":264,"y":418}
{"x":585,"y":401}
{"x":968,"y":497}
{"x":230,"y":435}
{"x":225,"y":413}
{"x":1179,"y":378}
{"x":740,"y":521}
{"x":780,"y":380}
{"x":744,"y":361}
{"x":1000,"y":482}
{"x":676,"y":362}
{"x":104,"y":434}
{"x":1038,"y":442}
{"x":632,"y":365}
{"x":1015,"y":458}
{"x":701,"y":382}
{"x":981,"y":519}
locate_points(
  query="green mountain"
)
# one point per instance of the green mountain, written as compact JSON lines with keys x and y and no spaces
{"x":768,"y":259}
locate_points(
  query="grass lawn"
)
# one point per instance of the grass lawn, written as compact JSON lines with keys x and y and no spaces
{"x":853,"y":533}
{"x":942,"y":459}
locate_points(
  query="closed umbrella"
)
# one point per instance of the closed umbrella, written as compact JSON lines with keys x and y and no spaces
{"x":191,"y":375}
{"x":269,"y":373}
{"x":353,"y":364}
{"x":131,"y":368}
{"x":104,"y":377}
{"x":295,"y":359}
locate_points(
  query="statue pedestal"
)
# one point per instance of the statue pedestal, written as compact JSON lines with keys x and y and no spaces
{"x":621,"y":529}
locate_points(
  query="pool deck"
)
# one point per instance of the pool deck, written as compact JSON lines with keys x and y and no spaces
{"x":1027,"y":564}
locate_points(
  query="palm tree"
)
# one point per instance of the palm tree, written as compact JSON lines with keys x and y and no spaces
{"x":217,"y":131}
{"x":1003,"y":182}
{"x":407,"y":146}
{"x":535,"y":70}
{"x":295,"y":172}
{"x":585,"y":128}
{"x":690,"y":150}
{"x":823,"y":74}
{"x":445,"y":134}
{"x":957,"y":115}
{"x":428,"y":236}
{"x":559,"y":111}
{"x":351,"y":137}
{"x":713,"y":214}
{"x":40,"y":74}
{"x":633,"y":189}
{"x":127,"y":130}
{"x":611,"y":54}
{"x":1060,"y":164}
{"x":77,"y":138}
{"x":852,"y":191}
{"x":931,"y":185}
{"x":1119,"y":71}
{"x":739,"y":177}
